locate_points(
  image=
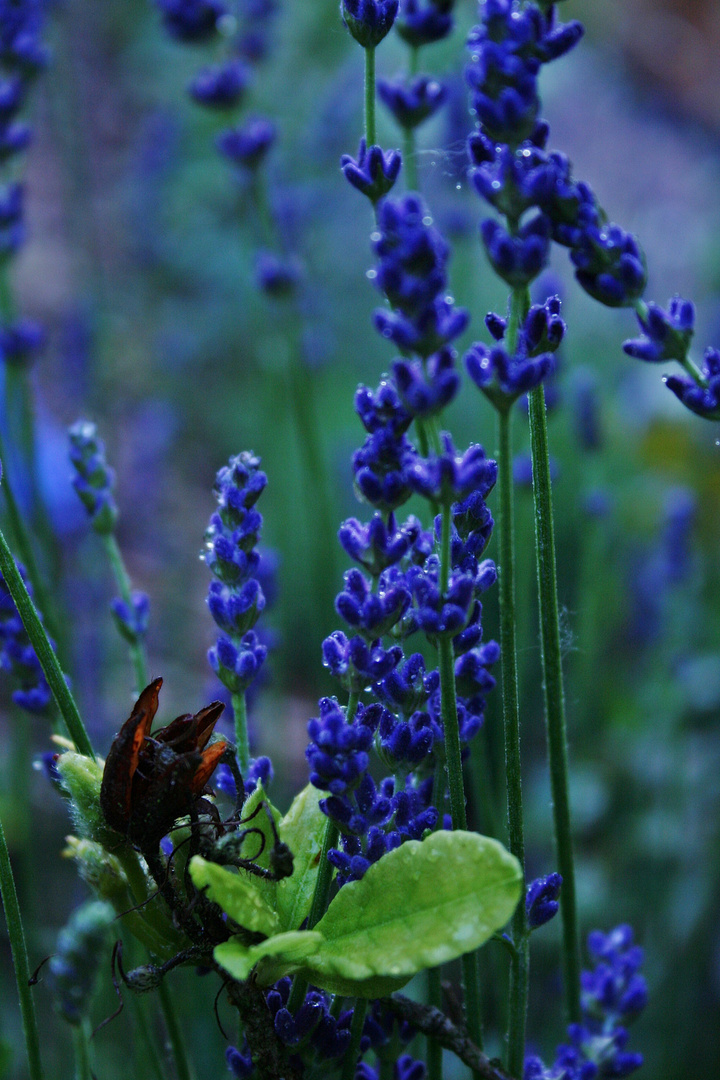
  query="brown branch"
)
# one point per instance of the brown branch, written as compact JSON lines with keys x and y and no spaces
{"x":434,"y":1023}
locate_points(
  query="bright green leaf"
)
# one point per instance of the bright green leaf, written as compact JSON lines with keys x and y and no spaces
{"x":259,"y":843}
{"x":423,"y":904}
{"x":302,"y":829}
{"x":238,"y":893}
{"x":256,"y":813}
{"x":287,"y":950}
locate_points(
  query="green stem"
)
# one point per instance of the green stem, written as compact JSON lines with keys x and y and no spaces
{"x":18,"y":949}
{"x":554,"y":696}
{"x":370,"y":136}
{"x":451,"y":727}
{"x":316,"y":480}
{"x":81,"y":1047}
{"x":124,"y":585}
{"x":356,"y":1029}
{"x":519,"y":966}
{"x":18,"y":399}
{"x":40,"y":643}
{"x":149,"y":1055}
{"x":175,"y":1035}
{"x":21,"y":537}
{"x":242,"y":745}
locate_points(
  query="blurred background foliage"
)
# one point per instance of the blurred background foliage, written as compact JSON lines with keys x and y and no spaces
{"x":140,"y":266}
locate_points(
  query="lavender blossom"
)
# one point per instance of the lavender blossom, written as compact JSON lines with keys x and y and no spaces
{"x":412,"y":101}
{"x":421,"y":22}
{"x":248,"y":144}
{"x":373,"y":172}
{"x":17,"y":655}
{"x":94,"y":479}
{"x":192,"y":20}
{"x":613,"y":993}
{"x":412,"y":260}
{"x":702,"y":400}
{"x":369,"y":21}
{"x":235,"y":598}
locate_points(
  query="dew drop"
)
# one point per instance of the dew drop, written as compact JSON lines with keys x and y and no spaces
{"x":458,"y":187}
{"x":427,"y":220}
{"x":371,"y":274}
{"x":375,"y":236}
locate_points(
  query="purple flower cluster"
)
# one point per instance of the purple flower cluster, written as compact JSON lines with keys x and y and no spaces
{"x":18,"y":657}
{"x":132,"y":618}
{"x":192,"y":20}
{"x":235,"y":597}
{"x":372,"y":818}
{"x":412,"y":101}
{"x":396,"y":591}
{"x":541,"y":202}
{"x":535,"y":191}
{"x":508,"y":48}
{"x":22,"y":51}
{"x":373,"y":172}
{"x":22,"y":56}
{"x":613,"y":994}
{"x":314,"y":1037}
{"x":421,"y":22}
{"x":94,"y":479}
{"x":503,"y":376}
{"x":412,"y":273}
{"x":222,"y":86}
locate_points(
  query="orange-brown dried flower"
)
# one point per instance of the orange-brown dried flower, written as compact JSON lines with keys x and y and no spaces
{"x":150,"y":781}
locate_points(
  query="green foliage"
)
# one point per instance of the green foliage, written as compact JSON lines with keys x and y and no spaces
{"x":423,"y":904}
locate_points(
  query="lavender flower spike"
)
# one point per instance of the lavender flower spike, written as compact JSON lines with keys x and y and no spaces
{"x":94,"y":479}
{"x":374,"y":172}
{"x":666,"y":334}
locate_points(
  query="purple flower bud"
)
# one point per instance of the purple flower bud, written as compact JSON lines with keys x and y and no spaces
{"x":373,"y":172}
{"x":541,"y":900}
{"x":248,"y":144}
{"x":191,"y":20}
{"x":221,"y":86}
{"x":412,"y":101}
{"x":702,"y":400}
{"x":369,"y":20}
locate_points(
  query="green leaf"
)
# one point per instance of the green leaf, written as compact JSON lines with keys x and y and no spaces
{"x":255,"y":816}
{"x":288,"y":950}
{"x":261,"y":840}
{"x":302,"y":829}
{"x":238,"y":893}
{"x":423,"y":904}
{"x":6,"y":1056}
